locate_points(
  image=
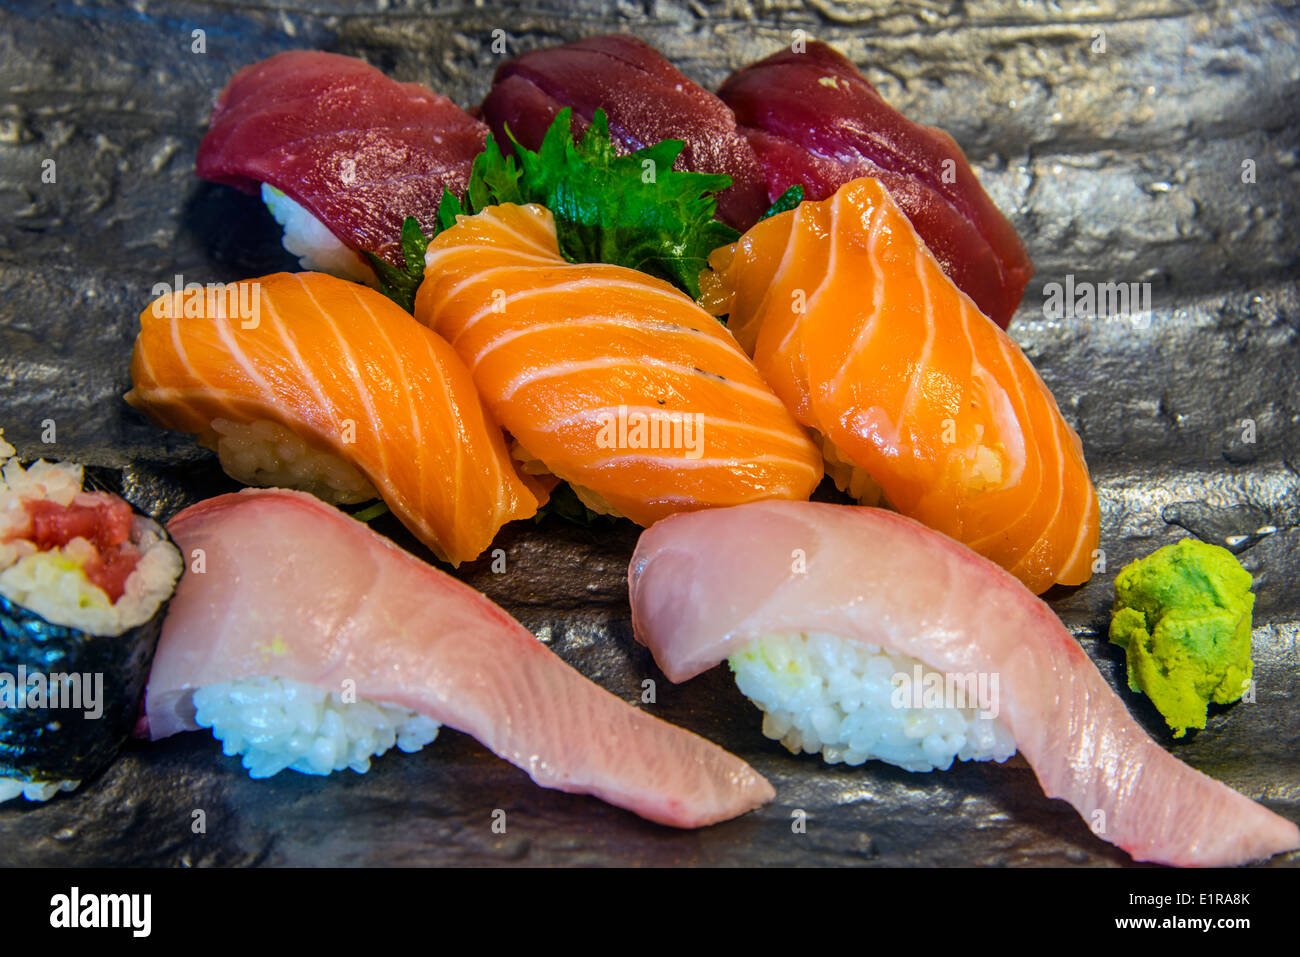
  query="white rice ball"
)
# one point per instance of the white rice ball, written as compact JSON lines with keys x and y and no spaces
{"x":316,"y":247}
{"x":825,"y":694}
{"x":11,"y":788}
{"x":276,"y":723}
{"x":266,"y":454}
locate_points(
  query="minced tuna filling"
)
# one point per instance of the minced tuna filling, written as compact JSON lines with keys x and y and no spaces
{"x":854,"y":702}
{"x":79,"y":559}
{"x":276,"y":723}
{"x":93,"y":531}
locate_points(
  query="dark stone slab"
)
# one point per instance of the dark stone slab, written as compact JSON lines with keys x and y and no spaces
{"x":1118,"y":165}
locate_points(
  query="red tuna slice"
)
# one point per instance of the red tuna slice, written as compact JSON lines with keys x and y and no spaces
{"x":647,"y":101}
{"x":336,"y":601}
{"x":814,"y":119}
{"x":705,"y":584}
{"x":359,"y":151}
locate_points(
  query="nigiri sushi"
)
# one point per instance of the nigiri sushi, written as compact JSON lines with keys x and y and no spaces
{"x":647,"y":100}
{"x":307,"y":641}
{"x":341,"y":153}
{"x":831,"y":616}
{"x":916,"y":400}
{"x":815,"y":121}
{"x":84,"y":583}
{"x":304,"y":380}
{"x":606,"y":377}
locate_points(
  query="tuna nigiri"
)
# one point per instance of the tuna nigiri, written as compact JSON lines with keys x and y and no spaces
{"x":308,"y":641}
{"x":342,"y":154}
{"x":814,"y":121}
{"x":647,"y":100}
{"x":312,"y":382}
{"x":916,"y":398}
{"x":828,"y":612}
{"x":606,"y":377}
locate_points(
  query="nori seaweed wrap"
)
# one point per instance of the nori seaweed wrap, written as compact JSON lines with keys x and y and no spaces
{"x":84,"y":586}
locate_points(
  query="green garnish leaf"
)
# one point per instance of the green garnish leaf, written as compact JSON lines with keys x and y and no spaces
{"x":370,"y":512}
{"x":634,"y":210}
{"x":397,"y":284}
{"x":787,"y":201}
{"x":494,"y":178}
{"x":564,"y":503}
{"x":448,"y":209}
{"x":414,"y":243}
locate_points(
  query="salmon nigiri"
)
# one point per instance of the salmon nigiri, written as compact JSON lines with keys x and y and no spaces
{"x":606,"y":377}
{"x":307,"y":381}
{"x":919,"y":401}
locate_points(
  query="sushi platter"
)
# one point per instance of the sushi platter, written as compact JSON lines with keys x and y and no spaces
{"x":664,"y":434}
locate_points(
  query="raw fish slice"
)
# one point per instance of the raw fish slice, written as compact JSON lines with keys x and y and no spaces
{"x":357,"y":150}
{"x":814,"y":119}
{"x":355,"y":376}
{"x":586,"y":365}
{"x":292,"y":587}
{"x":647,"y":101}
{"x":858,"y":330}
{"x":705,"y":585}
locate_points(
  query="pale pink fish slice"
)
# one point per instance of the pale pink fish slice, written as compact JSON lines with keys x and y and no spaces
{"x":294,"y":588}
{"x":705,"y":584}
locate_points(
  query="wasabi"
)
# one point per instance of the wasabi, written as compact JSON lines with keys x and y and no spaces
{"x":1182,"y":615}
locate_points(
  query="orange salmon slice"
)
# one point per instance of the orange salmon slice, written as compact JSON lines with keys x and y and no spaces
{"x":612,"y":380}
{"x":352,"y":375}
{"x":854,"y":324}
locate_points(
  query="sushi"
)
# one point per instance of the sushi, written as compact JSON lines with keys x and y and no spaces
{"x":310,"y":642}
{"x":310,"y":382}
{"x":839,"y":620}
{"x":340,"y":153}
{"x":916,"y":401}
{"x":815,"y":121}
{"x":647,"y":100}
{"x":84,"y":584}
{"x":610,"y":379}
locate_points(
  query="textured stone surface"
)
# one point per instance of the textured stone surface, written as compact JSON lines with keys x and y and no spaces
{"x":1117,"y":165}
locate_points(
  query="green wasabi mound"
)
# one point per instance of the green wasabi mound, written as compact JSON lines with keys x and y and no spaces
{"x":1182,"y":616}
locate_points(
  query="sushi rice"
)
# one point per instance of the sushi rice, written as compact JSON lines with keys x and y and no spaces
{"x":53,"y":584}
{"x":266,"y":454}
{"x":530,"y":464}
{"x":824,"y":694}
{"x":317,"y":249}
{"x":276,"y":723}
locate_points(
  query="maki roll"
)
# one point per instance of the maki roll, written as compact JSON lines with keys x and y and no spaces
{"x":84,"y":582}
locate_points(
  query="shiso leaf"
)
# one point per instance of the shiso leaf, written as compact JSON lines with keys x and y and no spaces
{"x":397,"y":284}
{"x":634,"y":210}
{"x":564,"y":503}
{"x":787,"y":201}
{"x":371,"y":512}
